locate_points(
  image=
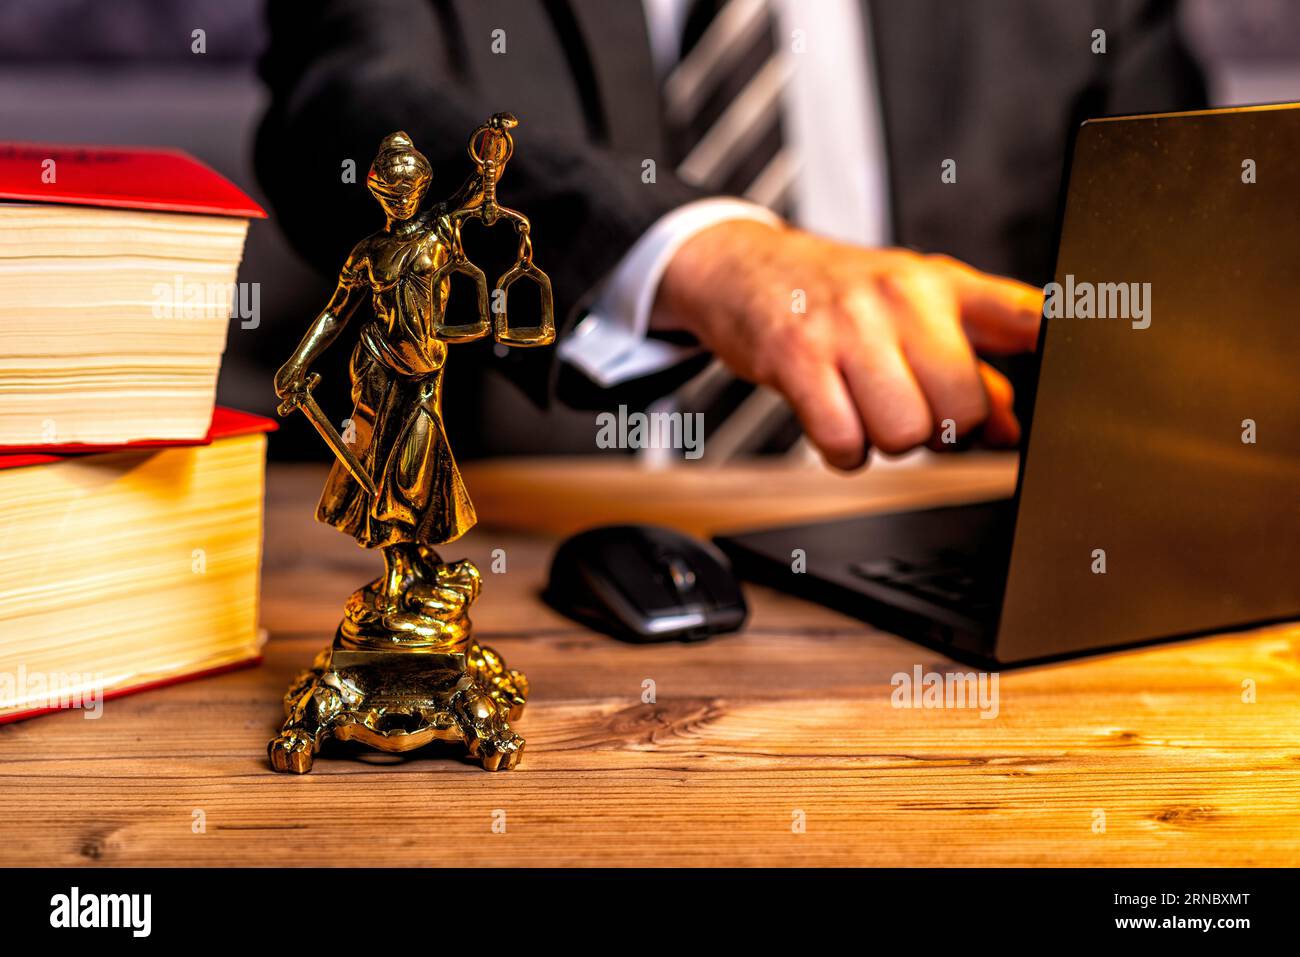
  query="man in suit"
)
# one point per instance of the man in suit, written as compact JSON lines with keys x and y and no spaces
{"x":891,"y":130}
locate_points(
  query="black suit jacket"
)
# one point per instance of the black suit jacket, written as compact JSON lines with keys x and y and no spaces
{"x":997,"y":85}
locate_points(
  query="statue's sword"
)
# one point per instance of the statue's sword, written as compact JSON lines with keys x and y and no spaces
{"x":305,"y":403}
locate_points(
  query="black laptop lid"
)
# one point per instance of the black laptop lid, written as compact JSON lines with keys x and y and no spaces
{"x":1170,"y":453}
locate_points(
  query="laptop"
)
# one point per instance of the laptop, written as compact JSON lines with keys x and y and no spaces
{"x":1159,"y":486}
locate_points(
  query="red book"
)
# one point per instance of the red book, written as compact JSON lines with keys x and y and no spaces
{"x":122,"y":571}
{"x":118,"y":284}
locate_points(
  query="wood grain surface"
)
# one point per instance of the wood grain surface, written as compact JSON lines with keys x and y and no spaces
{"x":748,"y":735}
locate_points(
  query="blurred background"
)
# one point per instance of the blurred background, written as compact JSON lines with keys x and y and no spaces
{"x":122,"y":72}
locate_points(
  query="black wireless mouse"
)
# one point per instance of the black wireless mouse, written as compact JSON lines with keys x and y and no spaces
{"x":645,"y":583}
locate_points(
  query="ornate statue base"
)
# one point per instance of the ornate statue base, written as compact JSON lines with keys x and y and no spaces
{"x":404,"y":670}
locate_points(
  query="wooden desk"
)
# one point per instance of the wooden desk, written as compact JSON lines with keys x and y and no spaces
{"x":793,"y":715}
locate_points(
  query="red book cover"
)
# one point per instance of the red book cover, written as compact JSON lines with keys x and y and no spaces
{"x":225,"y":424}
{"x":165,"y":180}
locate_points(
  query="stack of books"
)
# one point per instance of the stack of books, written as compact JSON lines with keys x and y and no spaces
{"x":130,"y":506}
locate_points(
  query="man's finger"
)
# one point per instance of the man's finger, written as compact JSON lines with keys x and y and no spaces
{"x":1001,"y":316}
{"x":940,"y":355}
{"x":1001,"y":428}
{"x":819,"y":397}
{"x":889,"y":400}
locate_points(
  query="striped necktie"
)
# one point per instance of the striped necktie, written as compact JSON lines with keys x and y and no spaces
{"x":723,"y":110}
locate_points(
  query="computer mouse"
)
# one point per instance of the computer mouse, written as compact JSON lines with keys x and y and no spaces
{"x":645,"y":583}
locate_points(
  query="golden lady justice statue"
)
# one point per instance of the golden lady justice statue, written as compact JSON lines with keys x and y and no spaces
{"x":404,"y":669}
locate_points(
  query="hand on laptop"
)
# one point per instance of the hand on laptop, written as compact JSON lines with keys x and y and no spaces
{"x":869,"y":346}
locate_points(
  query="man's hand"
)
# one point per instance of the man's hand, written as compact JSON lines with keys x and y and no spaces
{"x":883,"y":351}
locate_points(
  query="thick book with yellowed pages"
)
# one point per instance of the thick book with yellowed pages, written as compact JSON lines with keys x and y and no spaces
{"x":125,"y":569}
{"x":117,"y":287}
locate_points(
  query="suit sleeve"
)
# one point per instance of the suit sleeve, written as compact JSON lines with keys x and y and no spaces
{"x":342,"y":74}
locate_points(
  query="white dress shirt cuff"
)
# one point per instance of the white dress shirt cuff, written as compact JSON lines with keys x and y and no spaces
{"x":609,"y":345}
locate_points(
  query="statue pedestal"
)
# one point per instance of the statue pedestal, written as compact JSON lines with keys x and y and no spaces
{"x":397,"y":680}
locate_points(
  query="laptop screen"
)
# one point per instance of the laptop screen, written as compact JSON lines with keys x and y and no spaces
{"x":1160,"y":488}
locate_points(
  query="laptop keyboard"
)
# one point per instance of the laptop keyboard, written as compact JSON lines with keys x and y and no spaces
{"x":960,"y":580}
